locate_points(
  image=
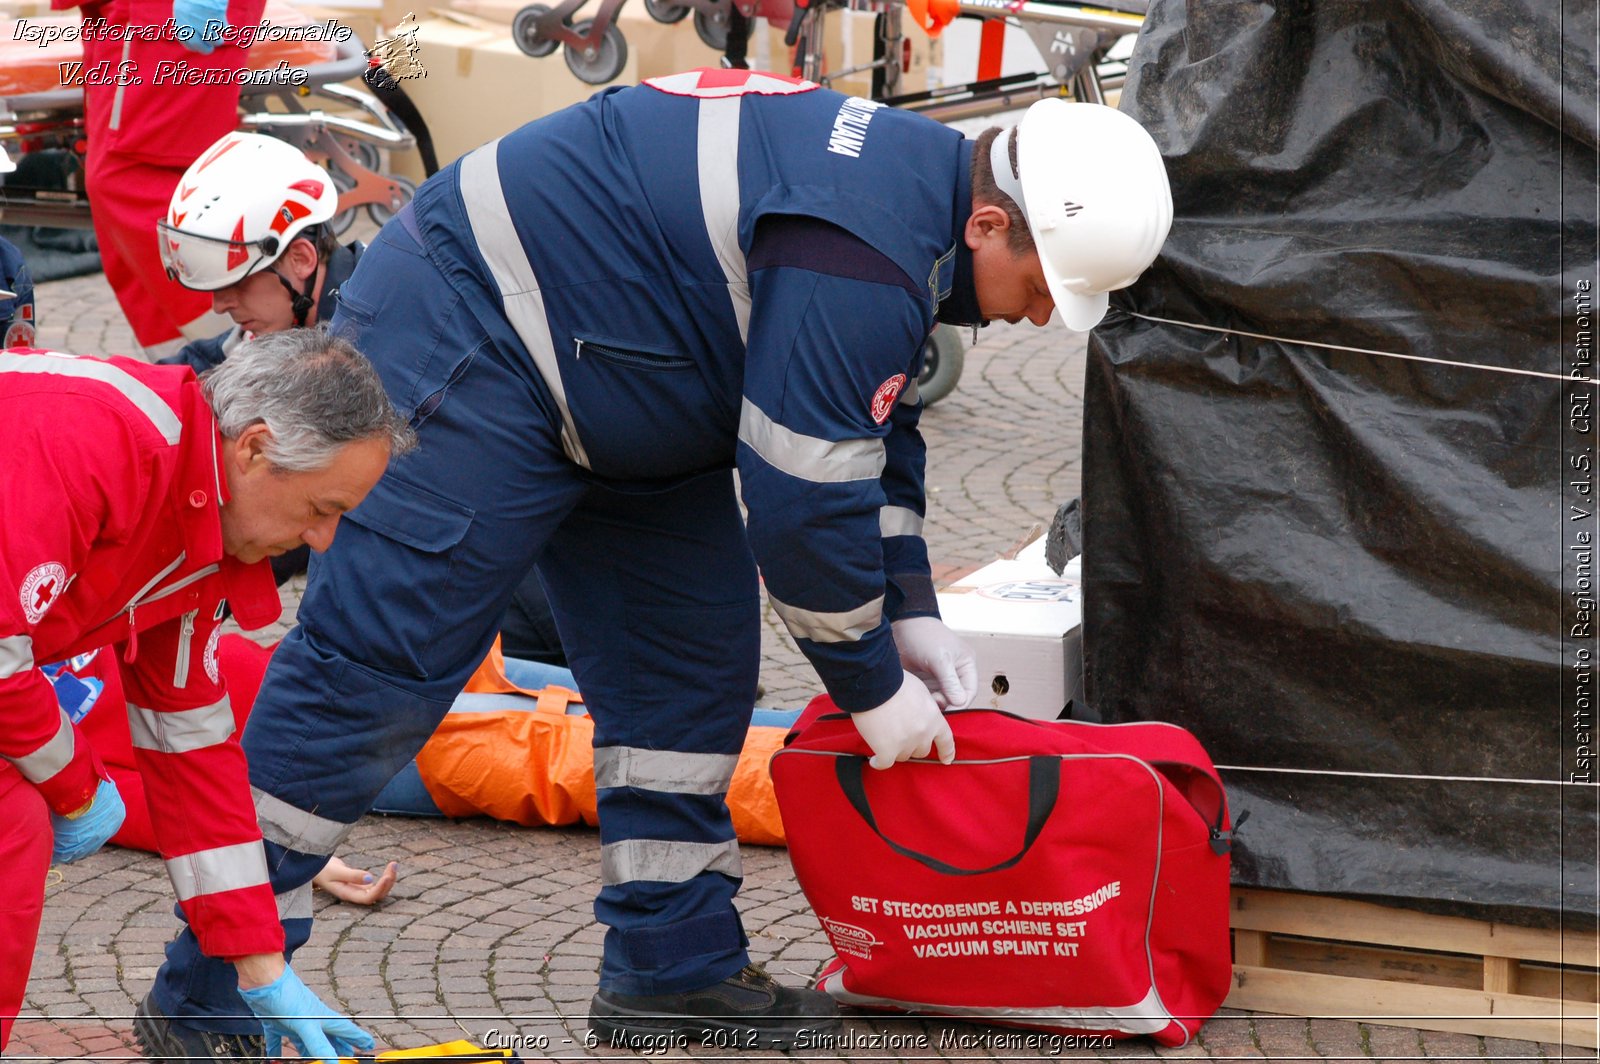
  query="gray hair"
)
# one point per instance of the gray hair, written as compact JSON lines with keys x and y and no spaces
{"x":314,"y":392}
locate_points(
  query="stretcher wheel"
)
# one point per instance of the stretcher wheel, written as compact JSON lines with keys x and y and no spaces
{"x":600,"y":63}
{"x":525,"y":31}
{"x":339,"y":223}
{"x":382,"y":212}
{"x":943,"y":357}
{"x":365,"y":155}
{"x":712,"y":26}
{"x":666,"y":11}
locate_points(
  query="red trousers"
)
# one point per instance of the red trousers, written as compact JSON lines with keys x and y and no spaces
{"x":25,"y":841}
{"x":141,"y":139}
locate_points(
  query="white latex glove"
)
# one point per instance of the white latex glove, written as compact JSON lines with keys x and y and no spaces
{"x":940,"y":658}
{"x":909,"y":725}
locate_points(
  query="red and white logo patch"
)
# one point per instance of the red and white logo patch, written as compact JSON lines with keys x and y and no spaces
{"x":18,"y":334}
{"x":40,"y":589}
{"x":209,"y":658}
{"x":883,"y":399}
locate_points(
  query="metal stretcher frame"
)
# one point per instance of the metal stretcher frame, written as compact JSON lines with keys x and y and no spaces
{"x":1072,"y":37}
{"x":356,"y":150}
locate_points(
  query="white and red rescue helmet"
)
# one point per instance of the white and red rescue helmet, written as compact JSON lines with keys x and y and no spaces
{"x":237,"y":208}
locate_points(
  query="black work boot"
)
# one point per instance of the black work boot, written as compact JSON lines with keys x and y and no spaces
{"x":161,"y":1039}
{"x":748,"y":1010}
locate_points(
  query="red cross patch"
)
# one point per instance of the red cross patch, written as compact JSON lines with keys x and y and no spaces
{"x":40,"y":589}
{"x":883,"y":399}
{"x":713,"y":82}
{"x":18,"y":334}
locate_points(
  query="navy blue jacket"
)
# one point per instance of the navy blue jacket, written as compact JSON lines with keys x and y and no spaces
{"x":762,"y":301}
{"x":18,"y":327}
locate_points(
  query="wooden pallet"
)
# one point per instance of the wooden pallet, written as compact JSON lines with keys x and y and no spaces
{"x":1307,"y":955}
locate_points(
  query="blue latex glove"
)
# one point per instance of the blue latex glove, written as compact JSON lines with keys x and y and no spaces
{"x":287,"y":1008}
{"x":76,"y":839}
{"x":194,"y":15}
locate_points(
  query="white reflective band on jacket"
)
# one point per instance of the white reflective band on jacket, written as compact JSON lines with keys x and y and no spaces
{"x":55,"y":755}
{"x":845,"y":627}
{"x":718,"y":148}
{"x":218,"y":870}
{"x":143,"y":399}
{"x":497,"y":240}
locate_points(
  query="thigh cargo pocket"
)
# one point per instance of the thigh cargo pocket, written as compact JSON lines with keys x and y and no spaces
{"x":391,"y":583}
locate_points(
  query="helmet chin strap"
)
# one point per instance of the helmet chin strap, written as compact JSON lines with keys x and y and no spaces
{"x":299,"y":302}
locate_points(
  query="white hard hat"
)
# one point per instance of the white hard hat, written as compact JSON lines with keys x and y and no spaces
{"x":238,"y":207}
{"x":1093,"y":187}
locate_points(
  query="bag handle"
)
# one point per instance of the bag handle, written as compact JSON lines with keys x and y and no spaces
{"x":1044,"y":787}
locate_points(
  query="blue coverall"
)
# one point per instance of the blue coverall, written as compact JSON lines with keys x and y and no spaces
{"x":593,"y":322}
{"x":18,"y":327}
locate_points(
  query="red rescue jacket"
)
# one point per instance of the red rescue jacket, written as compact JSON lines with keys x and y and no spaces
{"x":112,"y":535}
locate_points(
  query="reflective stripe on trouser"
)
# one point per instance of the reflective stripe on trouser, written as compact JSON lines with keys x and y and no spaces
{"x":443,"y":542}
{"x":25,"y":841}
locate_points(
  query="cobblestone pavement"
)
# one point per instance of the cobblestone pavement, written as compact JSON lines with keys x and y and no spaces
{"x":490,"y":931}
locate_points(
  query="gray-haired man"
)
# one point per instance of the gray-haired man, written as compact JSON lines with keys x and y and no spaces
{"x":137,"y":499}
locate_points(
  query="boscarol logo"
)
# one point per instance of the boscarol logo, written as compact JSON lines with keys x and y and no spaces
{"x":883,"y":399}
{"x":851,"y":939}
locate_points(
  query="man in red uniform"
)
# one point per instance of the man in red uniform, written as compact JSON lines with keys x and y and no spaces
{"x":137,"y":499}
{"x":145,"y":126}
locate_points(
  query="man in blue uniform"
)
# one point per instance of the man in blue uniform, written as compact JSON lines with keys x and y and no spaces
{"x":17,"y":323}
{"x":593,"y":323}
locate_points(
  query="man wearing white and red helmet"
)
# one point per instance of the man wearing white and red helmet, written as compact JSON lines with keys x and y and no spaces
{"x":247,"y":225}
{"x":593,"y":322}
{"x":143,"y":130}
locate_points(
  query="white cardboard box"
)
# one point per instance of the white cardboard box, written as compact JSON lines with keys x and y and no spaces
{"x":1024,"y":624}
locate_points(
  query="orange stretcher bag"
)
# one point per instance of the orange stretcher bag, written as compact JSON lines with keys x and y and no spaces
{"x":538,"y":767}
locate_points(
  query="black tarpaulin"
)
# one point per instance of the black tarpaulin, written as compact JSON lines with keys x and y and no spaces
{"x":1361,"y":579}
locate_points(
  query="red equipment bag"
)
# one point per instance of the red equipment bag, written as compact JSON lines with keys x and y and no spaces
{"x":1059,"y":875}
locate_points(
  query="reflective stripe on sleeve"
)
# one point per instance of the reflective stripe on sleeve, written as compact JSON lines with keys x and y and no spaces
{"x":662,"y":861}
{"x":295,"y":829}
{"x":846,"y":627}
{"x":49,"y":759}
{"x":718,"y":158}
{"x":181,"y":731}
{"x":899,"y":521}
{"x":501,"y":248}
{"x":213,"y":871}
{"x":809,"y":457}
{"x":136,"y":392}
{"x":663,"y":770}
{"x":16,"y":656}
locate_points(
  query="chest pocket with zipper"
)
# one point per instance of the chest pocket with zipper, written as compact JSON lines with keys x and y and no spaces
{"x":646,"y":410}
{"x":631,"y":356}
